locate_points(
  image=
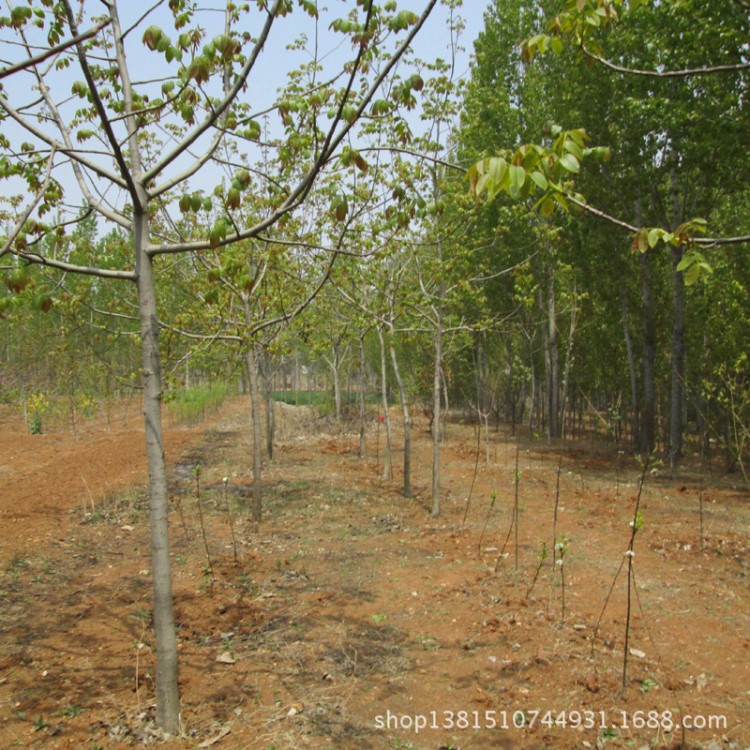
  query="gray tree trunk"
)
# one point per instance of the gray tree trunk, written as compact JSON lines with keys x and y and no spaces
{"x":635,"y":437}
{"x":436,"y":404}
{"x":362,"y":396}
{"x":405,"y":413}
{"x":268,"y":384}
{"x":167,"y":690}
{"x":678,"y":362}
{"x":335,"y":368}
{"x":677,"y":394}
{"x":648,"y":417}
{"x":387,"y":458}
{"x":553,"y":379}
{"x":252,"y":375}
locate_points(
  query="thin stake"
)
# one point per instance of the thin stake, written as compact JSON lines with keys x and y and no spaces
{"x":231,"y":518}
{"x":197,"y":472}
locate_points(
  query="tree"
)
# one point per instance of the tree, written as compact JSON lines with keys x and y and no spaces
{"x":129,"y":149}
{"x":655,"y":107}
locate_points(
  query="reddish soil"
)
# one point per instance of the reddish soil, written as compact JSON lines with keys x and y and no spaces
{"x":350,"y":616}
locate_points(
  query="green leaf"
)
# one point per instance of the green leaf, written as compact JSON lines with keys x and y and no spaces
{"x":692,"y":274}
{"x":547,"y":207}
{"x":199,"y":69}
{"x":640,"y":242}
{"x":340,"y":207}
{"x":218,"y":233}
{"x":251,"y":131}
{"x":152,"y":36}
{"x":517,"y":180}
{"x":539,"y":180}
{"x":19,"y":16}
{"x":309,"y":7}
{"x":402,"y":20}
{"x":80,"y":89}
{"x":233,"y":198}
{"x":570,"y":163}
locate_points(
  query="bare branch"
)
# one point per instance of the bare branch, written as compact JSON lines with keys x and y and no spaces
{"x":61,"y":265}
{"x":52,"y":51}
{"x":416,"y":154}
{"x":702,"y":241}
{"x":685,"y":73}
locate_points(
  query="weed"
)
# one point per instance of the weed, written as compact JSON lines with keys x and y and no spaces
{"x":35,"y":409}
{"x":70,"y":711}
{"x":428,"y":643}
{"x":191,"y":405}
{"x":40,"y":724}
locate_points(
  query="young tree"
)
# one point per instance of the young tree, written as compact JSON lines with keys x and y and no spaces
{"x":129,"y":139}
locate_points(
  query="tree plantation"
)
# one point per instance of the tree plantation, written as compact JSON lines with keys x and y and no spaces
{"x":407,"y":340}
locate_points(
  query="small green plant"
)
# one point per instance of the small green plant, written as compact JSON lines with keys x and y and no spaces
{"x":191,"y":405}
{"x":36,"y":406}
{"x":40,"y":724}
{"x":70,"y":711}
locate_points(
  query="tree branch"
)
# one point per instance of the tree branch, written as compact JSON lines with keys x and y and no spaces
{"x":42,"y":56}
{"x":702,"y":241}
{"x":211,"y":120}
{"x":685,"y":73}
{"x":63,"y":148}
{"x":298,"y":195}
{"x":30,"y":208}
{"x":117,"y":154}
{"x":61,"y":265}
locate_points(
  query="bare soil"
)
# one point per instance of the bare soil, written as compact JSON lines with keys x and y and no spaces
{"x":350,"y":618}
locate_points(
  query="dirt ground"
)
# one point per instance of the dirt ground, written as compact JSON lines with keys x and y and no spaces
{"x":351,"y":618}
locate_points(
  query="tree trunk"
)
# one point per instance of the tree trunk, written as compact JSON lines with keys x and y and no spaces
{"x":252,"y":374}
{"x":532,"y":390}
{"x":678,"y":362}
{"x":676,"y":401}
{"x":648,"y":417}
{"x":270,"y":404}
{"x":635,"y":437}
{"x":404,"y":411}
{"x":553,"y":377}
{"x":387,"y":459}
{"x":436,"y":401}
{"x":335,"y":364}
{"x":362,"y":396}
{"x":167,"y":689}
